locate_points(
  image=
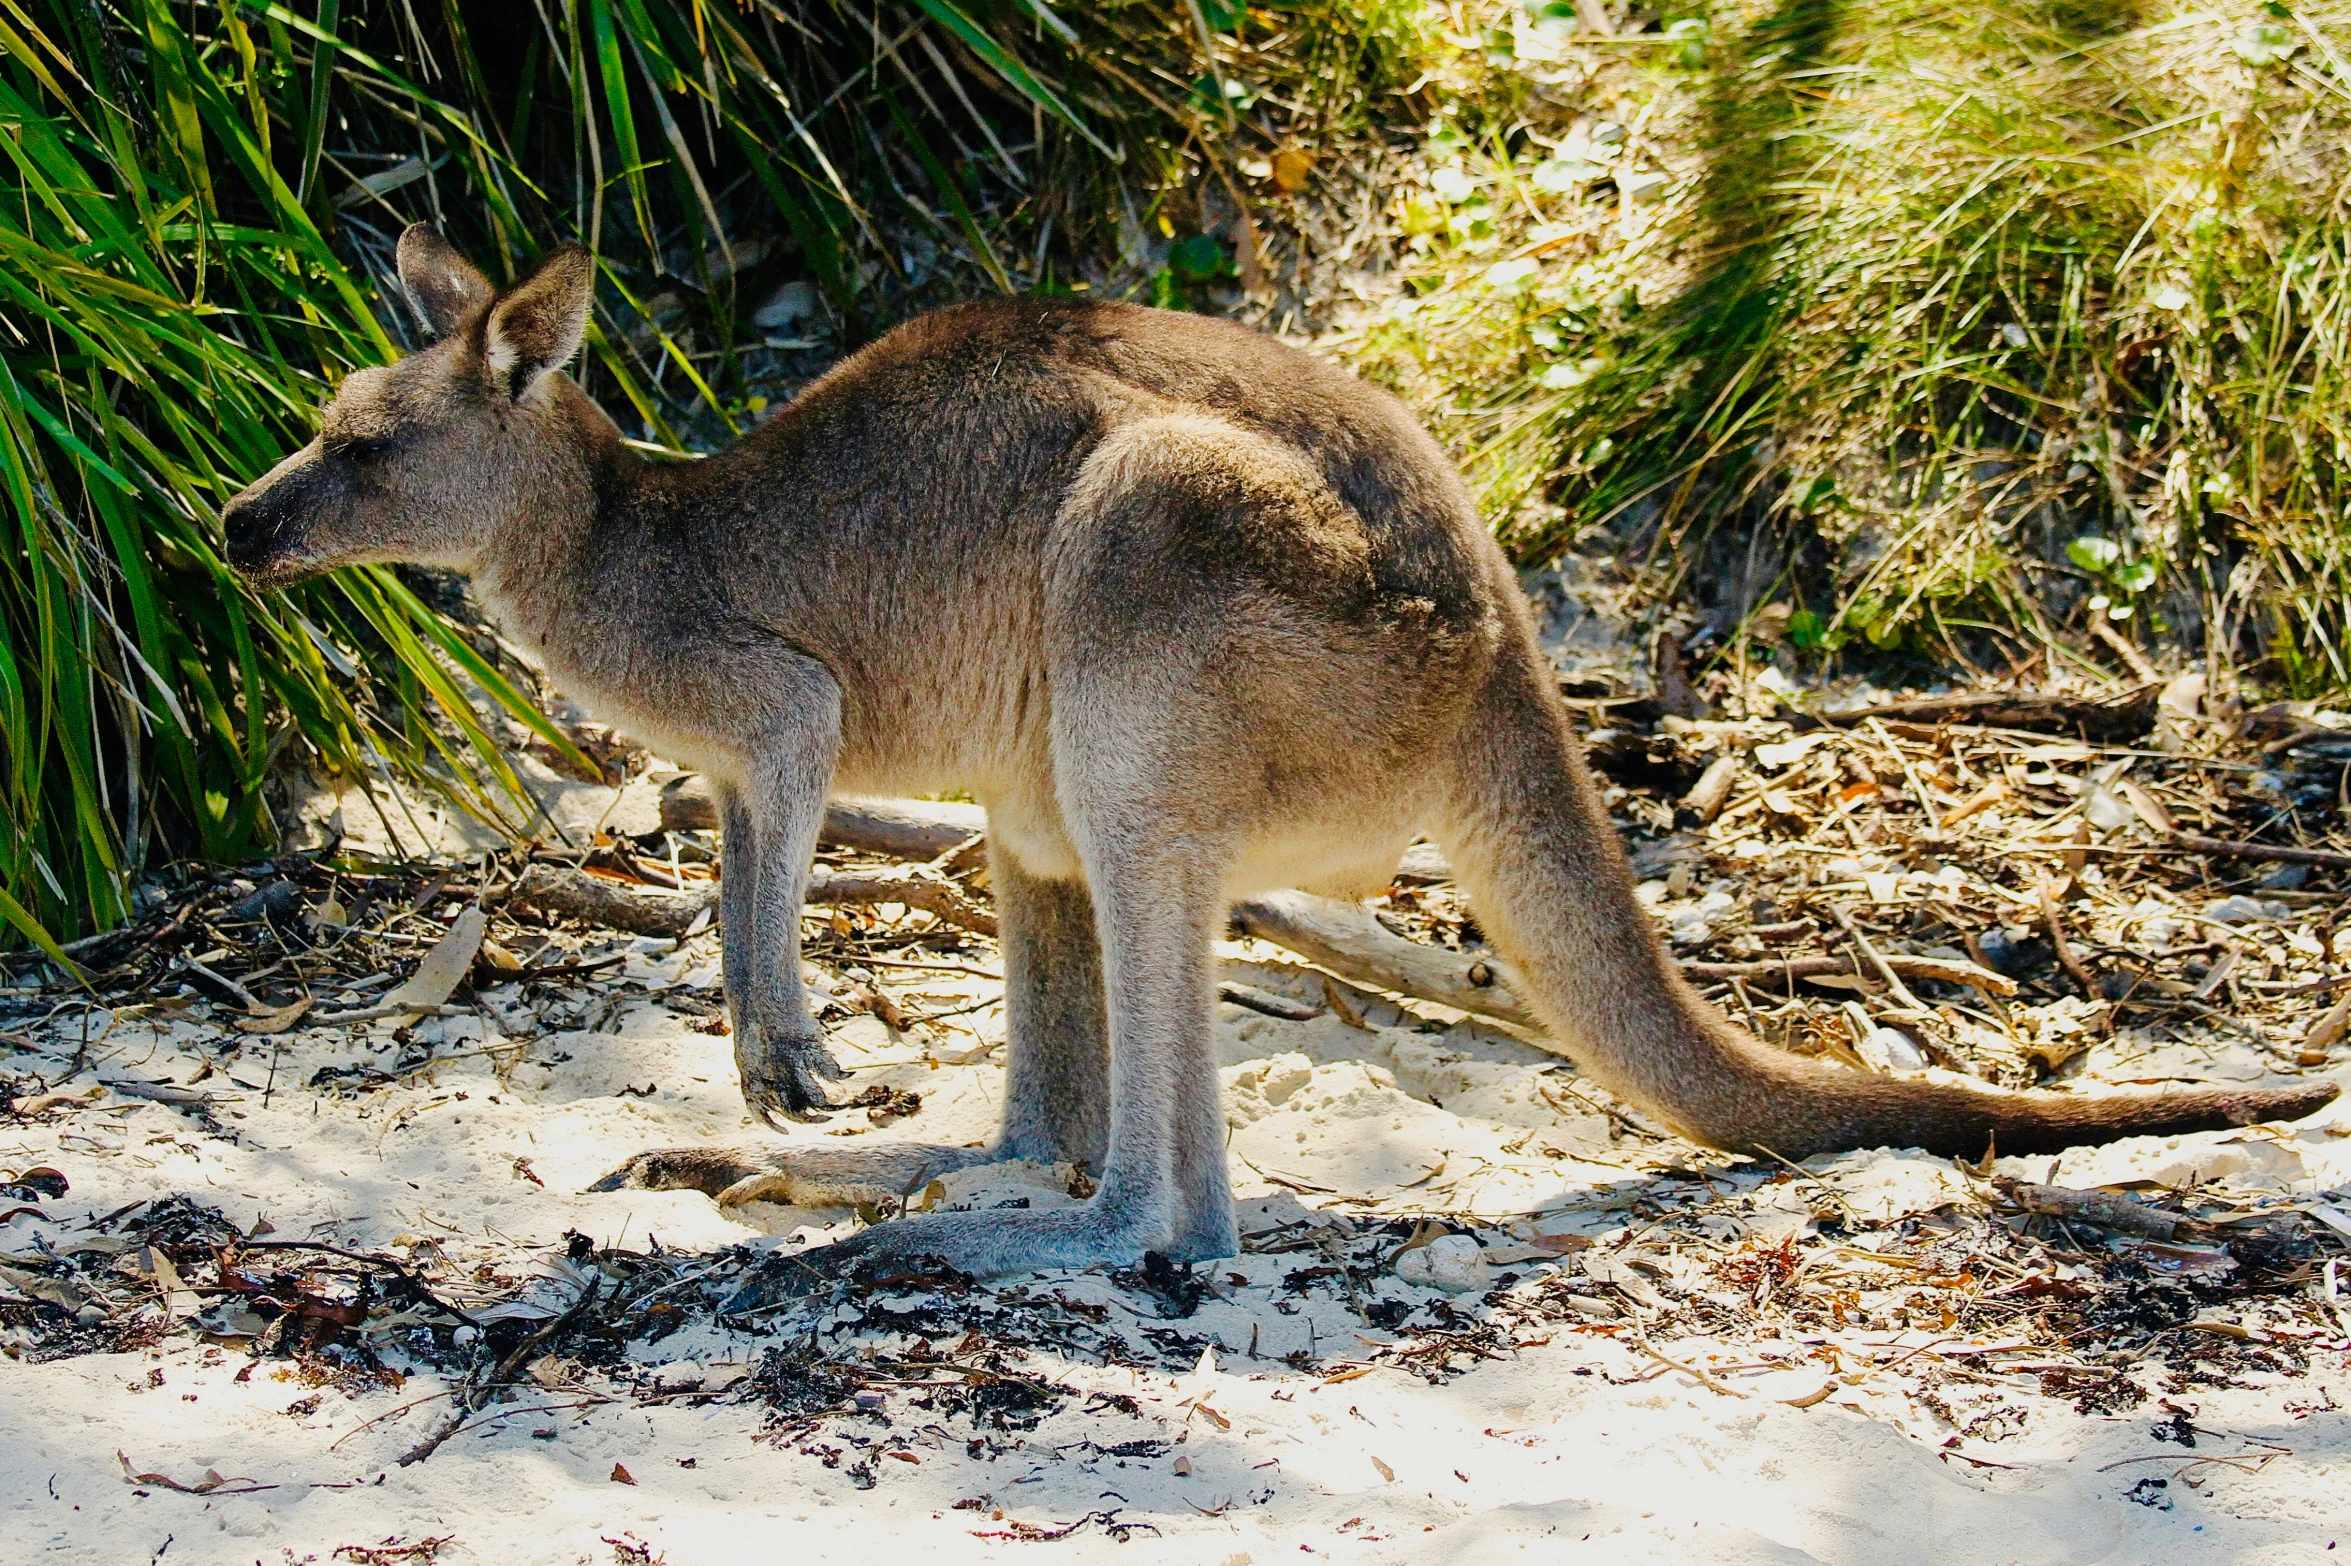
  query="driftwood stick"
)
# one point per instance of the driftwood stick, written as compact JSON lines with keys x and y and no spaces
{"x":1347,"y":940}
{"x":2116,"y":720}
{"x":1941,"y":969}
{"x":2067,"y":958}
{"x":2276,"y":853}
{"x":936,"y":896}
{"x":909,"y":829}
{"x":555,"y":891}
{"x":1712,"y":791}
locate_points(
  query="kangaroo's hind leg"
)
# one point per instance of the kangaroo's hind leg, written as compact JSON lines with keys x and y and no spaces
{"x":1057,"y":1071}
{"x":1057,"y":1078}
{"x":1157,"y":901}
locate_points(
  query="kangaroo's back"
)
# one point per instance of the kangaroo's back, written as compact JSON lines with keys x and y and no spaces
{"x":1008,"y":397}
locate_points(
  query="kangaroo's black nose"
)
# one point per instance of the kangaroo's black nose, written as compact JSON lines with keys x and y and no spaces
{"x":246,"y":544}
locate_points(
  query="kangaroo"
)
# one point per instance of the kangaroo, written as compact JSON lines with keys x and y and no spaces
{"x":1192,"y":613}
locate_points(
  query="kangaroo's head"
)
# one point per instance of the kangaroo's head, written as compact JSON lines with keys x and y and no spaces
{"x":429,"y":460}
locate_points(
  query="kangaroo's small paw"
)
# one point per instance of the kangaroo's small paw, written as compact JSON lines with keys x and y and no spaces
{"x":711,"y":1170}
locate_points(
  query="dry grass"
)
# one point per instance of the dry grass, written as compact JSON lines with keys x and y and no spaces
{"x":1994,"y":317}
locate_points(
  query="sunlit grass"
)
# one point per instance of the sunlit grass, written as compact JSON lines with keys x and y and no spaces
{"x":197,"y":212}
{"x":2019,"y":313}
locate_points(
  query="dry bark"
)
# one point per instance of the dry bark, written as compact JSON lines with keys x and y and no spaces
{"x":1347,"y":940}
{"x":1713,"y":789}
{"x":911,"y":829}
{"x":555,"y":891}
{"x":2115,"y":720}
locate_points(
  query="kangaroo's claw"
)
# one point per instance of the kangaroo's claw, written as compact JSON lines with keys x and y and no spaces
{"x":784,"y":1071}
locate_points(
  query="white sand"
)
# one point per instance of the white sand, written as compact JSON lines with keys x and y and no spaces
{"x":1576,"y":1446}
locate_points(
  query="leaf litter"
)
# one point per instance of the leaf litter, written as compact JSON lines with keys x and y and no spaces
{"x":1892,"y":885}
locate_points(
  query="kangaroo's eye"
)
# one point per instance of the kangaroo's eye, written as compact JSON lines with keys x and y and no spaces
{"x":365,"y":450}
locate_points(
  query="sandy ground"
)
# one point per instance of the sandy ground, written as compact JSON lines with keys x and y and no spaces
{"x":1571,"y":1444}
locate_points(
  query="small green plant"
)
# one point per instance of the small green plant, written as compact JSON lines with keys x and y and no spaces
{"x":2120,"y":579}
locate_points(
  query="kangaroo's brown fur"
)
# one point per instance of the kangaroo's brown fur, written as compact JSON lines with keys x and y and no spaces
{"x":1192,"y":613}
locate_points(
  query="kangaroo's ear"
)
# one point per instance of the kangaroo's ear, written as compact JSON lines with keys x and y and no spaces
{"x":443,"y":287}
{"x":538,"y":325}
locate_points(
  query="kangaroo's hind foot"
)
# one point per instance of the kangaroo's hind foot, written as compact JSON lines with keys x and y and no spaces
{"x":792,"y":1176}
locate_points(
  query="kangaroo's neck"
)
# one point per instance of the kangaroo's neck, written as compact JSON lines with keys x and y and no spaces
{"x":599,"y":522}
{"x":534,"y":568}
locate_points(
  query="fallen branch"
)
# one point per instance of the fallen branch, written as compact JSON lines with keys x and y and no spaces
{"x":2067,"y":958}
{"x":1712,"y":791}
{"x":337,"y":1019}
{"x":554,"y":891}
{"x":2115,"y":720}
{"x":2275,"y":853}
{"x":940,"y":898}
{"x":574,"y":894}
{"x":911,"y":829}
{"x":1941,"y":969}
{"x":1347,"y":940}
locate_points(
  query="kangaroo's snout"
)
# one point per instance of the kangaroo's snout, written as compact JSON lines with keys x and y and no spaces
{"x":269,"y":523}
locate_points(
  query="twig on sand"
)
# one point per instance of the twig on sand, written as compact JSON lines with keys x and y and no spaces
{"x":474,"y":1395}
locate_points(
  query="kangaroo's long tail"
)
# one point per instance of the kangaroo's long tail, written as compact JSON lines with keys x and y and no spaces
{"x":1534,"y":847}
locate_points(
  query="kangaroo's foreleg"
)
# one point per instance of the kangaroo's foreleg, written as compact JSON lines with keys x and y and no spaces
{"x":773,"y":809}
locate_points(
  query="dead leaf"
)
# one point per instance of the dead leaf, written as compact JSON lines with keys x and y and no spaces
{"x":1561,"y":1244}
{"x":179,"y":1301}
{"x":445,"y":966}
{"x":2149,"y":808}
{"x":1248,"y":259}
{"x":1340,"y":1008}
{"x":41,"y":1180}
{"x":211,"y":1484}
{"x":277,"y":1021}
{"x":42,"y":1103}
{"x":1982,"y":799}
{"x":1386,"y":1472}
{"x":1293,"y":167}
{"x":621,"y":1475}
{"x":2328,"y":1030}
